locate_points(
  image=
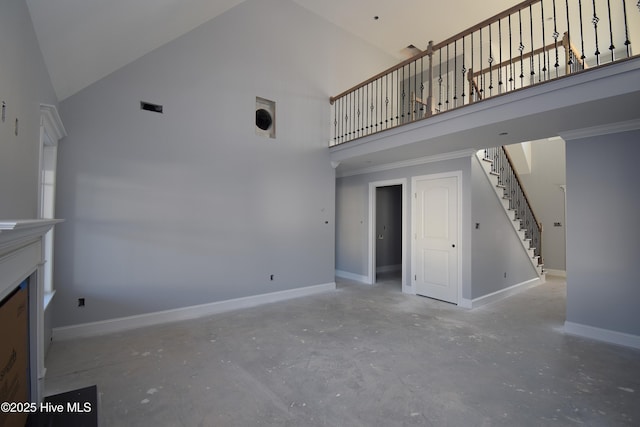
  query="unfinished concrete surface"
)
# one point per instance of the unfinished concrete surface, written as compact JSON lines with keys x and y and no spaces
{"x":359,"y":356}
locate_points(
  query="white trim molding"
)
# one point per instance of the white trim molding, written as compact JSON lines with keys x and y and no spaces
{"x":501,"y":294}
{"x":555,"y":273}
{"x":52,"y":124}
{"x":352,"y":276}
{"x":389,"y":268}
{"x":185,"y":313}
{"x":599,"y":334}
{"x":607,"y":129}
{"x":461,"y":154}
{"x":371,"y":271}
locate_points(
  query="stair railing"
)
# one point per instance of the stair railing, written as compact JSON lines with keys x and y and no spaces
{"x":530,"y":43}
{"x":509,"y":181}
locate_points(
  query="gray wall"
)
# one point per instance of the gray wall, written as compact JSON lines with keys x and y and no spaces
{"x":496,"y":248}
{"x":547,"y":198}
{"x":603,"y":206}
{"x":24,"y":84}
{"x":388,"y":226}
{"x":352,"y":211}
{"x":190,"y":206}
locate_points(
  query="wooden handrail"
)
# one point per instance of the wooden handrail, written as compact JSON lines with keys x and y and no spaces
{"x":524,"y":56}
{"x":389,"y":70}
{"x":570,"y":47}
{"x":486,"y":22}
{"x":538,"y":223}
{"x":432,"y":47}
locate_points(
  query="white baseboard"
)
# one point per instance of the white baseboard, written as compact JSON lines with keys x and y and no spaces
{"x":498,"y":295}
{"x":556,"y":273}
{"x":599,"y":334}
{"x":185,"y":313}
{"x":389,"y":268}
{"x":352,"y":276}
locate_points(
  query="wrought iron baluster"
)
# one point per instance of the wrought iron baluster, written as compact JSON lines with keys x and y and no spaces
{"x":380,"y":102}
{"x":403,"y":94}
{"x":568,"y":33}
{"x":582,"y":55}
{"x":373,"y":104}
{"x":372,"y":108}
{"x":611,"y":46}
{"x":386,"y":102}
{"x":397,"y":97}
{"x":627,"y":42}
{"x":455,"y":74}
{"x":356,"y":115}
{"x":422,"y":104}
{"x":352,"y":115}
{"x":544,"y":44}
{"x":335,"y":123}
{"x":521,"y":49}
{"x":532,"y":63}
{"x":481,"y":72}
{"x":342,"y":121}
{"x":490,"y":63}
{"x":556,"y":34}
{"x":440,"y":81}
{"x":366,"y":112}
{"x":415,"y":89}
{"x":595,"y":21}
{"x":511,"y":83}
{"x":500,"y":56}
{"x":472,"y":92}
{"x":447,"y":85}
{"x":463,"y":70}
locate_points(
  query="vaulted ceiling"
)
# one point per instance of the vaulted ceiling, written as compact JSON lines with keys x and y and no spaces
{"x":82,"y":41}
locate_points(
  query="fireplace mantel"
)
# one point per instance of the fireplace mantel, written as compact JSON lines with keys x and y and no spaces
{"x":19,"y":232}
{"x":22,"y":255}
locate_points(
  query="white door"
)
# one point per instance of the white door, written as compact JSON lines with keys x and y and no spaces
{"x":436,"y":238}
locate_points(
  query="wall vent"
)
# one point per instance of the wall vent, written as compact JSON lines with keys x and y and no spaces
{"x":156,"y":108}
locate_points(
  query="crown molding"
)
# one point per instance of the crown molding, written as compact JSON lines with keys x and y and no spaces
{"x":411,"y":162}
{"x":601,"y":130}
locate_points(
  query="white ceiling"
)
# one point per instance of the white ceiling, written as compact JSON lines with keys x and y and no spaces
{"x":82,"y":41}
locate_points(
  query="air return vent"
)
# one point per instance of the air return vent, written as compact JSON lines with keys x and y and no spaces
{"x":151,"y":107}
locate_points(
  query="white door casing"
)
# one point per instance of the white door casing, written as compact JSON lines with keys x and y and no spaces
{"x":436,"y":229}
{"x":371,"y":273}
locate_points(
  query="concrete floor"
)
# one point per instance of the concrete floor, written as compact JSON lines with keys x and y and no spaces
{"x":360,"y":356}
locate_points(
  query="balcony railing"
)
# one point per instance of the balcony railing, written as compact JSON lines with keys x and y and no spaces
{"x":513,"y":191}
{"x":534,"y":42}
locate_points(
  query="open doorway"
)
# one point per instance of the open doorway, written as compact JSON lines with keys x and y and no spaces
{"x":387,"y":220}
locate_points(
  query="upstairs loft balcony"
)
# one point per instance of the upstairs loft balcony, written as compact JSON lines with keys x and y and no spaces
{"x":533,"y":71}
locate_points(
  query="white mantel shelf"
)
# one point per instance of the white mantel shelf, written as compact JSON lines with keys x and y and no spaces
{"x":14,"y":232}
{"x":26,"y":224}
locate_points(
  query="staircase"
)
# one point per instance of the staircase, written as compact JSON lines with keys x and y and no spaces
{"x":504,"y":180}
